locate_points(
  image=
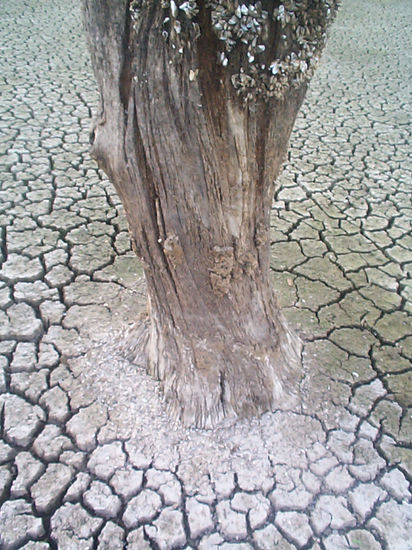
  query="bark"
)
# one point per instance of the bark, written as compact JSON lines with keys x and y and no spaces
{"x":194,"y":166}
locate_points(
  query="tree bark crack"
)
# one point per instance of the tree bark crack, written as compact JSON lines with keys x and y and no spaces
{"x":126,"y":73}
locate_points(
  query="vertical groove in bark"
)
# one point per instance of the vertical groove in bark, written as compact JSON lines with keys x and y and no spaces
{"x":126,"y":68}
{"x":194,"y":168}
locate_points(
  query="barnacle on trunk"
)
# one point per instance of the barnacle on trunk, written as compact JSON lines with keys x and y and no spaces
{"x":266,"y":46}
{"x":266,"y":68}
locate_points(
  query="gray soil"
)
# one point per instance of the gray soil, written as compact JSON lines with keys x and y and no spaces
{"x":89,"y":458}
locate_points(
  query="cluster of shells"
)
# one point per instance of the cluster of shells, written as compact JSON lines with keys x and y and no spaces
{"x":178,"y":23}
{"x":257,"y":66}
{"x":244,"y":23}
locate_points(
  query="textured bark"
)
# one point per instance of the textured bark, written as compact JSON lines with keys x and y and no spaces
{"x":194,"y":166}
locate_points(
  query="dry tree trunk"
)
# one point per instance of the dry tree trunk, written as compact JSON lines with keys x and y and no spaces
{"x":193,"y":131}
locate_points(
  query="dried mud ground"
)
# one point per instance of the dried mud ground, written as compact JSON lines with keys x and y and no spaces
{"x":88,"y":459}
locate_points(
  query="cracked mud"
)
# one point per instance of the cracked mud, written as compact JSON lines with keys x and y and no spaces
{"x":88,"y":458}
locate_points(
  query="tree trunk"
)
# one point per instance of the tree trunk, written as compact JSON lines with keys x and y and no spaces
{"x":194,"y":164}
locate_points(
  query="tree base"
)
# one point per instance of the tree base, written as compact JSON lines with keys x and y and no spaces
{"x":204,"y":383}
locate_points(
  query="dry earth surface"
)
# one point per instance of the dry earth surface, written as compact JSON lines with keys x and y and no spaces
{"x":88,"y":458}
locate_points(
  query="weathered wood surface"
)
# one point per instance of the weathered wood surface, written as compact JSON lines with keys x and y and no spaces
{"x":195,"y":167}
